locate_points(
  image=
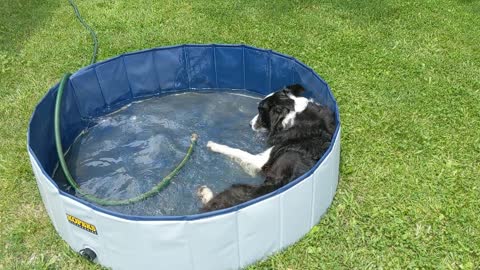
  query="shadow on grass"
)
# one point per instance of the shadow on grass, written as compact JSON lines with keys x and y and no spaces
{"x":19,"y":19}
{"x":472,"y":6}
{"x":370,"y":11}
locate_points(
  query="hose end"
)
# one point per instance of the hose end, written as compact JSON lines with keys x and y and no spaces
{"x":194,"y":137}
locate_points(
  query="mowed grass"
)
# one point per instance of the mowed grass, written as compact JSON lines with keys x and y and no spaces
{"x":406,"y":75}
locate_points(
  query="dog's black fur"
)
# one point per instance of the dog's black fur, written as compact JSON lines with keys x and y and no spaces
{"x":295,"y":149}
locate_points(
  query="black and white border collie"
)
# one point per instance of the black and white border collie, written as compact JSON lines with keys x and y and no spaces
{"x":298,"y":130}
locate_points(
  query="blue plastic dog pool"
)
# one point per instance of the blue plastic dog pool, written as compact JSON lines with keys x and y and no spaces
{"x":226,"y":239}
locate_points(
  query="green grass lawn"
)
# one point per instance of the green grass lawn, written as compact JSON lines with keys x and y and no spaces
{"x":406,"y":75}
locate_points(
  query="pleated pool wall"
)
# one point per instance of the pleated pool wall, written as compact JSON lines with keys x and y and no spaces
{"x":226,"y":239}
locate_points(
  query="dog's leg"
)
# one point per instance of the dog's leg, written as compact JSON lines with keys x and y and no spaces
{"x":250,"y":163}
{"x":235,"y":194}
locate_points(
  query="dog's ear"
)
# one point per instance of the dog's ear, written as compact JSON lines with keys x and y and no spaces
{"x":277,"y":118}
{"x":296,"y":89}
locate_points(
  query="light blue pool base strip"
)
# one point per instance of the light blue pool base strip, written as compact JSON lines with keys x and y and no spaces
{"x":226,"y":239}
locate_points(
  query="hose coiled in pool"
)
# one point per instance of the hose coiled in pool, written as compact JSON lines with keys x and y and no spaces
{"x":58,"y":139}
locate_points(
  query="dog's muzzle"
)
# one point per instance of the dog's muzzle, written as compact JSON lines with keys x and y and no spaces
{"x":254,"y":125}
{"x":253,"y":122}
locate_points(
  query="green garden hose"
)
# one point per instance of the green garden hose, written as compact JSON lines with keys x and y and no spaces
{"x":58,"y":140}
{"x":92,"y":33}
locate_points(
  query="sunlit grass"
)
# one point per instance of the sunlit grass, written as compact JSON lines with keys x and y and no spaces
{"x":406,"y":76}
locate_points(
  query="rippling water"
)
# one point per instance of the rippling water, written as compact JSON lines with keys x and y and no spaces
{"x":127,"y":152}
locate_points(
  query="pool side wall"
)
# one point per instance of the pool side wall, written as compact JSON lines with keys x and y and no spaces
{"x":226,"y":241}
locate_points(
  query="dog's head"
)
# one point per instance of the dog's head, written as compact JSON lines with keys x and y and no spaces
{"x":278,"y":110}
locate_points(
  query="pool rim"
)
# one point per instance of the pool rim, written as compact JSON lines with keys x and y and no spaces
{"x":200,"y":215}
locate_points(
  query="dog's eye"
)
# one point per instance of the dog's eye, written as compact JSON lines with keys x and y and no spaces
{"x":278,"y":110}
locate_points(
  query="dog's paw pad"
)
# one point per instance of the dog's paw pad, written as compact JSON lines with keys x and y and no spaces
{"x":205,"y":194}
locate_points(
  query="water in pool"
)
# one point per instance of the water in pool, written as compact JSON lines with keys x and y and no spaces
{"x":127,"y":152}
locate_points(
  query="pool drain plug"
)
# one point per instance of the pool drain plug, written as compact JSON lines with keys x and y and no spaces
{"x":88,"y":254}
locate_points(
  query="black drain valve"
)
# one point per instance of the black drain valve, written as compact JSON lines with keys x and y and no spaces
{"x":88,"y":254}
